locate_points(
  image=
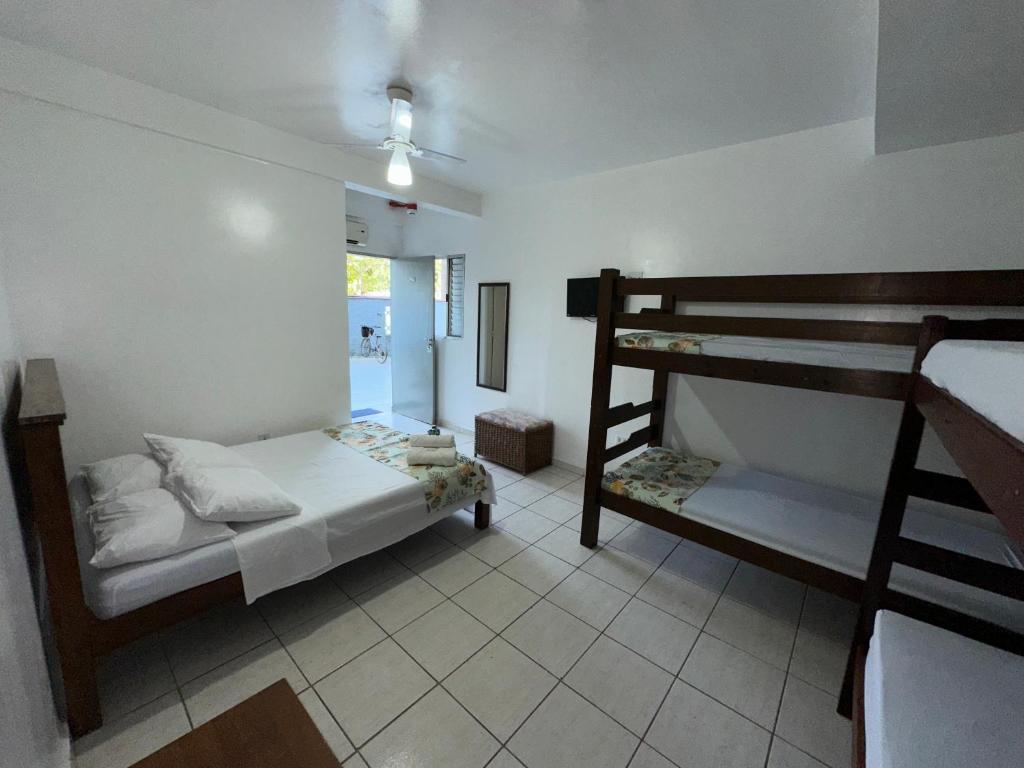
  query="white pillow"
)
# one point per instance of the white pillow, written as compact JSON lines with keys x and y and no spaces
{"x":229,"y":494}
{"x":173,"y":452}
{"x":121,"y":475}
{"x":147,"y":525}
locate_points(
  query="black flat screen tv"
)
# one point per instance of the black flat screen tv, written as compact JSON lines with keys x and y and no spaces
{"x":581,"y":296}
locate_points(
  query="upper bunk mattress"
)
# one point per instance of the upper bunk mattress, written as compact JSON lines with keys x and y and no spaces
{"x":826,"y":526}
{"x":935,"y":699}
{"x":833,"y":354}
{"x":366,"y":505}
{"x":986,"y":375}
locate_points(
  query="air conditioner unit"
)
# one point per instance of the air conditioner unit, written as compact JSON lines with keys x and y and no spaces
{"x":356,"y":232}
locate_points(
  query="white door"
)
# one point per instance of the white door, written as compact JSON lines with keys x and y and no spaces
{"x":412,"y":338}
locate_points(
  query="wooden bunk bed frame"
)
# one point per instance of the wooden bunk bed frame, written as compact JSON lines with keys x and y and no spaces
{"x":32,"y":432}
{"x":989,"y":288}
{"x":993,"y":465}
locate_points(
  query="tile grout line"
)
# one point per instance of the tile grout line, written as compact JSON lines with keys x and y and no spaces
{"x":439,"y":682}
{"x":643,"y":739}
{"x":561,"y":679}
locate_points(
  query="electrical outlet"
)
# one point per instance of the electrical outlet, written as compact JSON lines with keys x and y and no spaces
{"x":263,"y":436}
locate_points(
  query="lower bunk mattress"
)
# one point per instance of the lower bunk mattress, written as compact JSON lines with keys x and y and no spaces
{"x":935,"y":699}
{"x":366,"y":503}
{"x":826,"y":526}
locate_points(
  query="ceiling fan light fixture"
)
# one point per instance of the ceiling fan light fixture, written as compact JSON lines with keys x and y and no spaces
{"x":399,"y":170}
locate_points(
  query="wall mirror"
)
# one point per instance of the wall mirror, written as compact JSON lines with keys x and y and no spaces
{"x":492,"y":336}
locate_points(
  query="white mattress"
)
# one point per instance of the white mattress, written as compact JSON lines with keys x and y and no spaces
{"x":836,"y":354}
{"x":935,"y":699}
{"x":836,"y":529}
{"x":986,"y":375}
{"x":366,"y":505}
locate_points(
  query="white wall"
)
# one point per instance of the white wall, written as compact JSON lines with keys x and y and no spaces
{"x":815,"y":201}
{"x":385,"y":225}
{"x":30,"y":733}
{"x":182,"y":290}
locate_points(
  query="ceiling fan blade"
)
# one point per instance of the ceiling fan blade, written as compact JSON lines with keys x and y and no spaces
{"x":354,"y":145}
{"x":433,"y":154}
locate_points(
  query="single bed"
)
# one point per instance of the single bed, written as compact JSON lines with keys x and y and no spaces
{"x":832,"y":354}
{"x":827,"y":527}
{"x":936,"y":699}
{"x":366,"y":504}
{"x":358,"y":503}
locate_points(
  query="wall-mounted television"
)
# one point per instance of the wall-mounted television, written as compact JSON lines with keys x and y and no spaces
{"x":581,"y":296}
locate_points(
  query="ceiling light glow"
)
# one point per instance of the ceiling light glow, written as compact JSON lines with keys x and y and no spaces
{"x":399,"y":170}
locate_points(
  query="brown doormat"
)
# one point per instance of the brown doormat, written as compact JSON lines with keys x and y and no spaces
{"x":269,"y":730}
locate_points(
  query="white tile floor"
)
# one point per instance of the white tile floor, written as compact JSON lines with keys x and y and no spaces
{"x":514,"y":646}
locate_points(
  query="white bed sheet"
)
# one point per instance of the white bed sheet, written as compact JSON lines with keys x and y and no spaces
{"x":835,"y":354}
{"x":836,"y":529}
{"x":987,"y":375}
{"x":935,"y":699}
{"x":366,"y":506}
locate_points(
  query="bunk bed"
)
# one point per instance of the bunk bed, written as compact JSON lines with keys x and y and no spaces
{"x":919,"y":693}
{"x":93,"y":613}
{"x":820,"y":536}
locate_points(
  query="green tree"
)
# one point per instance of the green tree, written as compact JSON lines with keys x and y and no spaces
{"x":368,"y":276}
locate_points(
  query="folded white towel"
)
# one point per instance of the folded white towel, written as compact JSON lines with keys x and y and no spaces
{"x":440,"y":457}
{"x":431,"y":441}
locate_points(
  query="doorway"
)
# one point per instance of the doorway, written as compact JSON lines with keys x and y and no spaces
{"x":391,"y":308}
{"x":413,"y":347}
{"x":369,"y":334}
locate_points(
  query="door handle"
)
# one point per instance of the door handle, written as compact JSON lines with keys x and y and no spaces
{"x":430,"y":345}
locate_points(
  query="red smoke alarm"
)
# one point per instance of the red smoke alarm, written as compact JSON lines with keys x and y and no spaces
{"x":410,"y":208}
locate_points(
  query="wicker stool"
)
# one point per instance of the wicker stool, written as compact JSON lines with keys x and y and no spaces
{"x":513,"y":438}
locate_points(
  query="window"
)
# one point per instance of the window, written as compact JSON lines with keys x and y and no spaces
{"x":456,"y":294}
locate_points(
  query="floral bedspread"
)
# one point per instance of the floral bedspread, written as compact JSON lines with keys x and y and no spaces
{"x":660,"y":477}
{"x":663,"y":341}
{"x":443,"y":486}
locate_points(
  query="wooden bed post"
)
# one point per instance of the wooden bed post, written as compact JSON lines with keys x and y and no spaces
{"x":40,"y":417}
{"x":894,"y":505}
{"x":600,"y":400}
{"x":659,"y":390}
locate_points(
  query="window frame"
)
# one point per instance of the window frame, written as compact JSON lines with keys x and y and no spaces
{"x":456,"y":295}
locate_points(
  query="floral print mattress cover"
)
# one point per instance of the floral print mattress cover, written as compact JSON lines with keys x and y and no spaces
{"x":443,"y":486}
{"x":663,"y":341}
{"x":660,"y":477}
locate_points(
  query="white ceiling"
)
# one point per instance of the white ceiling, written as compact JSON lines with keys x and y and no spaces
{"x":526,"y":90}
{"x":948,"y":70}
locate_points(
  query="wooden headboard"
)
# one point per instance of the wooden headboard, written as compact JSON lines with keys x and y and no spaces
{"x":33,"y":440}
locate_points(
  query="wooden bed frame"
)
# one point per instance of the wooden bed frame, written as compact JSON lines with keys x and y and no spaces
{"x":993,"y":464}
{"x":36,"y":415}
{"x":912,"y":289}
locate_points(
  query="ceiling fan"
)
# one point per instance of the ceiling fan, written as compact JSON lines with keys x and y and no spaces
{"x":399,"y":143}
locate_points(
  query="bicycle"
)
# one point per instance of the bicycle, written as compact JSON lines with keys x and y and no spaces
{"x":373,"y":344}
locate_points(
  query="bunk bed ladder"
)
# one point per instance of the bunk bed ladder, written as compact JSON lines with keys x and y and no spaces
{"x":894,"y":504}
{"x":603,"y":416}
{"x":600,"y":400}
{"x":890,"y":547}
